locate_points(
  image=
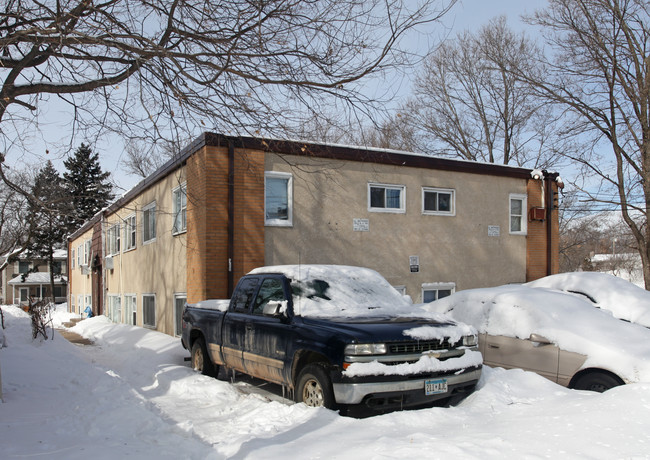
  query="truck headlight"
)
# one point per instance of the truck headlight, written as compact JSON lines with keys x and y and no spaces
{"x":470,"y":341}
{"x":365,"y":349}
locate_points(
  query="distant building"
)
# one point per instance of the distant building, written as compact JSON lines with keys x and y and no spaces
{"x":225,"y":205}
{"x":29,"y":277}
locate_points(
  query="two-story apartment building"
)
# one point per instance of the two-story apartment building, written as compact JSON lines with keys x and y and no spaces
{"x":30,"y":277}
{"x":225,"y":205}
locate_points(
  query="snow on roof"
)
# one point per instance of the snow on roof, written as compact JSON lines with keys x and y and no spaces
{"x":567,"y":320}
{"x":623,"y":299}
{"x":38,"y":278}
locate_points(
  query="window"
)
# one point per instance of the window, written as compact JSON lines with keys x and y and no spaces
{"x":59,"y":292}
{"x":278,"y":199}
{"x":115,"y":308}
{"x":23,"y":267}
{"x":518,"y":214}
{"x":271,"y":289}
{"x":113,"y":240}
{"x":72,"y":260}
{"x":400,"y":289}
{"x":179,"y":197}
{"x":149,"y":310}
{"x":245,"y":292}
{"x":435,"y":291}
{"x":87,"y":252}
{"x":130,"y":309}
{"x":72,"y":304}
{"x":129,"y":232}
{"x":179,"y":305}
{"x":438,"y":201}
{"x":79,"y":249}
{"x":386,"y":198}
{"x":24,"y":294}
{"x":89,"y":302}
{"x":80,"y":302}
{"x":149,"y":222}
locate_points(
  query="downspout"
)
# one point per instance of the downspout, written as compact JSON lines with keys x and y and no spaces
{"x":549,"y":227}
{"x":231,"y":214}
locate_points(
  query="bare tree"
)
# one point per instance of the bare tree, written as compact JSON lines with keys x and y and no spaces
{"x":154,"y":68}
{"x":599,"y":74}
{"x":466,"y":103}
{"x":15,"y":227}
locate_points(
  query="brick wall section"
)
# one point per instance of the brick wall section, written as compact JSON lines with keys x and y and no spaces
{"x":249,"y":212}
{"x":207,"y":219}
{"x":537,"y":251}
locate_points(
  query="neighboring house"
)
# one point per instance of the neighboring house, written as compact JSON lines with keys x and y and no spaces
{"x":29,"y":277}
{"x":225,"y":205}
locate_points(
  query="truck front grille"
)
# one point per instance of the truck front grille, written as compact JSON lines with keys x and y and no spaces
{"x":400,"y":348}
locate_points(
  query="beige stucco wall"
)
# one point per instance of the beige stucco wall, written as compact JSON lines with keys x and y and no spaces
{"x":79,"y":282}
{"x":157,"y":267}
{"x":329,"y":194}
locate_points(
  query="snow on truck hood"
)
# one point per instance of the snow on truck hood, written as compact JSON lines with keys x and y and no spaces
{"x":567,"y":320}
{"x":623,"y":299}
{"x":339,"y":291}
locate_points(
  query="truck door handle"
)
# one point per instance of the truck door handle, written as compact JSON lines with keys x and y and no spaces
{"x":249,"y":327}
{"x":491,"y":345}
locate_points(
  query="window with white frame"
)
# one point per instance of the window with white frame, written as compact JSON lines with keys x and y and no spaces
{"x":80,"y":303}
{"x":149,"y":310}
{"x":518,"y":220}
{"x":149,"y":222}
{"x":72,"y":304}
{"x":129,"y":232}
{"x":130,"y":309}
{"x":72,"y":260}
{"x":89,"y":302}
{"x":438,"y":201}
{"x":179,"y":304}
{"x":87,"y":252}
{"x":23,"y":266}
{"x":179,"y":199}
{"x":79,"y":254}
{"x":386,"y":198}
{"x":113,"y":240}
{"x":278,"y":199}
{"x":115,"y":308}
{"x":435,"y":291}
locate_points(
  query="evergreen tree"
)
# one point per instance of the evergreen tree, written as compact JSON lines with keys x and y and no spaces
{"x":49,"y":211}
{"x":87,"y":185}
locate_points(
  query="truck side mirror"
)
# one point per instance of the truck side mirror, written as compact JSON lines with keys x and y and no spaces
{"x":275,"y":308}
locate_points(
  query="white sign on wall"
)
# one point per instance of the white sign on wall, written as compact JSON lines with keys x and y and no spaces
{"x":494,"y":230}
{"x":361,"y":225}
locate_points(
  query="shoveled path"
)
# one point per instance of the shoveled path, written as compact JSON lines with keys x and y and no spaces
{"x":73,"y":337}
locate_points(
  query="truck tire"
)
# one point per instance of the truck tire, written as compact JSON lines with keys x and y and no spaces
{"x":314,"y":387}
{"x":201,"y":359}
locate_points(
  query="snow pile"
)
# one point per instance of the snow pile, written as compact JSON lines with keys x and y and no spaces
{"x":426,"y":363}
{"x":624,"y":299}
{"x":132,"y":395}
{"x":566,"y":320}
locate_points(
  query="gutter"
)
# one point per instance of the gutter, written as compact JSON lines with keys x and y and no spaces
{"x":231,"y":214}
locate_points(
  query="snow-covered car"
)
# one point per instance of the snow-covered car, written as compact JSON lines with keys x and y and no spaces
{"x":557,"y":335}
{"x":623,"y":299}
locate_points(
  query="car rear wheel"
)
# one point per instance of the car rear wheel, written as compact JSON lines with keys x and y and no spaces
{"x":597,"y":381}
{"x":201,"y":360}
{"x":314,"y":387}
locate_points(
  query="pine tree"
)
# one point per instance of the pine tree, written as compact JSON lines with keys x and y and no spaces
{"x":48,"y":213}
{"x":87,"y":185}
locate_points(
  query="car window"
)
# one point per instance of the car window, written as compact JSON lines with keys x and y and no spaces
{"x":245,"y":291}
{"x":271,"y":289}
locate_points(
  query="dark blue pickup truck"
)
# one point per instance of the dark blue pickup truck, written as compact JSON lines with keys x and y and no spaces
{"x":334,"y":336}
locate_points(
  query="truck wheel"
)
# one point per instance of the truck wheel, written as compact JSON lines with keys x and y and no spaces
{"x":314,"y":387}
{"x":201,"y":360}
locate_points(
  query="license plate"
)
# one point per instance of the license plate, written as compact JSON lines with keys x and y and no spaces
{"x":434,"y":387}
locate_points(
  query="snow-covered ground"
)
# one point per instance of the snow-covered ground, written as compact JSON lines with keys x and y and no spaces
{"x":131,"y":394}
